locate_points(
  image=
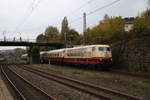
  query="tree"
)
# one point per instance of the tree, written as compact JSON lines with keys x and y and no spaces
{"x":64,"y":29}
{"x":19,"y":52}
{"x":51,"y":34}
{"x":109,"y":29}
{"x":79,"y":40}
{"x":106,"y":17}
{"x":88,"y":36}
{"x":72,"y":36}
{"x":40,"y":38}
{"x":141,"y":25}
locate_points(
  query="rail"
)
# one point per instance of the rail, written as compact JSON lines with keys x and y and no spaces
{"x":81,"y":83}
{"x":30,"y":84}
{"x":12,"y":84}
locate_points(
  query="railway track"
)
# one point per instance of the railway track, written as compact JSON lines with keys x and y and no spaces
{"x":23,"y":88}
{"x":144,"y":76}
{"x":91,"y":89}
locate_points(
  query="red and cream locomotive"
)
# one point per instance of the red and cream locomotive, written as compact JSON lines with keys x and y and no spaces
{"x":98,"y":56}
{"x":92,"y":55}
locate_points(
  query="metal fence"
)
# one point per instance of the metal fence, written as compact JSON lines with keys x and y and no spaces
{"x":17,"y":40}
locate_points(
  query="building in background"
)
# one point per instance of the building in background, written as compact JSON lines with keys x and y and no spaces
{"x":129,"y":22}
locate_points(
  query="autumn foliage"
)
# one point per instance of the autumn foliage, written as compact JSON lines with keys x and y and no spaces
{"x":109,"y":30}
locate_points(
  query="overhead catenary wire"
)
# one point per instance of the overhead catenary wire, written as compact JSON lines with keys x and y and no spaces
{"x":38,"y":1}
{"x":79,"y":8}
{"x":32,"y":3}
{"x":32,"y":8}
{"x":96,"y":10}
{"x":105,"y":6}
{"x":25,"y":15}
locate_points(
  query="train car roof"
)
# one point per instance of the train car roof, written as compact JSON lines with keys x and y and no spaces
{"x":42,"y":52}
{"x":24,"y":55}
{"x":55,"y":51}
{"x":88,"y":46}
{"x":78,"y":47}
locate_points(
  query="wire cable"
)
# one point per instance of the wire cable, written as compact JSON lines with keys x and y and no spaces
{"x":96,"y":10}
{"x":73,"y":12}
{"x":32,"y":8}
{"x":25,"y":15}
{"x":105,"y":6}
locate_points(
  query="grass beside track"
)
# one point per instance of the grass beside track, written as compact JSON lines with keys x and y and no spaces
{"x":127,"y":84}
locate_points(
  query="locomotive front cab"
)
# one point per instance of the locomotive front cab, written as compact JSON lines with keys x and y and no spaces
{"x":103,"y":54}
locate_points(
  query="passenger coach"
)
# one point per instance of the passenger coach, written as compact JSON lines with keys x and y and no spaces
{"x":93,"y":55}
{"x":24,"y":57}
{"x":56,"y":56}
{"x":90,"y":55}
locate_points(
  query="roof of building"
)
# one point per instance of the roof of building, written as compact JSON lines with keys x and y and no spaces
{"x":129,"y":20}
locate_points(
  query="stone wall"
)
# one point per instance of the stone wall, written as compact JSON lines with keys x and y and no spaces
{"x":135,"y":55}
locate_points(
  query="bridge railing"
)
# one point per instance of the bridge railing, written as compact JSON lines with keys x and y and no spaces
{"x":17,"y":40}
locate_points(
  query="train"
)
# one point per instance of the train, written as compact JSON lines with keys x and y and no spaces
{"x":90,"y":55}
{"x":24,"y":57}
{"x":2,"y":59}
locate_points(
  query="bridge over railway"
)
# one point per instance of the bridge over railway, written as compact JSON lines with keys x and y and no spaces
{"x":33,"y":54}
{"x":29,"y":44}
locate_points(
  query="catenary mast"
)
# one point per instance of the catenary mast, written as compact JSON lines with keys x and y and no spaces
{"x":148,"y":3}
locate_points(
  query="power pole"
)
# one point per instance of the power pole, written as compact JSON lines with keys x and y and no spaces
{"x":20,"y":36}
{"x":84,"y":27}
{"x":65,"y":39}
{"x":4,"y":34}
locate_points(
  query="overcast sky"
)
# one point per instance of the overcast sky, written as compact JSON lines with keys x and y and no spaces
{"x":31,"y":17}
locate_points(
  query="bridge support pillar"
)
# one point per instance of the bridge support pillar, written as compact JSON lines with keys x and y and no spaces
{"x":33,"y":55}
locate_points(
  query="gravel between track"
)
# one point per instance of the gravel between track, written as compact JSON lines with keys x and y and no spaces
{"x":60,"y":92}
{"x":126,"y":84}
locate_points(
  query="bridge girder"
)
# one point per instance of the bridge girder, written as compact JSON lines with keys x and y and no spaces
{"x":29,"y":44}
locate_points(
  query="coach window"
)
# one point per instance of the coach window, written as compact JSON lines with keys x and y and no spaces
{"x":93,"y":49}
{"x":104,"y":49}
{"x":108,"y":49}
{"x":100,"y":48}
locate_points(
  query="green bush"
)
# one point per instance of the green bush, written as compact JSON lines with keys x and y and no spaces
{"x":116,"y":52}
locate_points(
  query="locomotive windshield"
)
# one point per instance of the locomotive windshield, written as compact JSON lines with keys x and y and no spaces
{"x":104,"y":49}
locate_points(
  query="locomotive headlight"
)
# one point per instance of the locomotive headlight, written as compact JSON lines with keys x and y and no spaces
{"x":111,"y":59}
